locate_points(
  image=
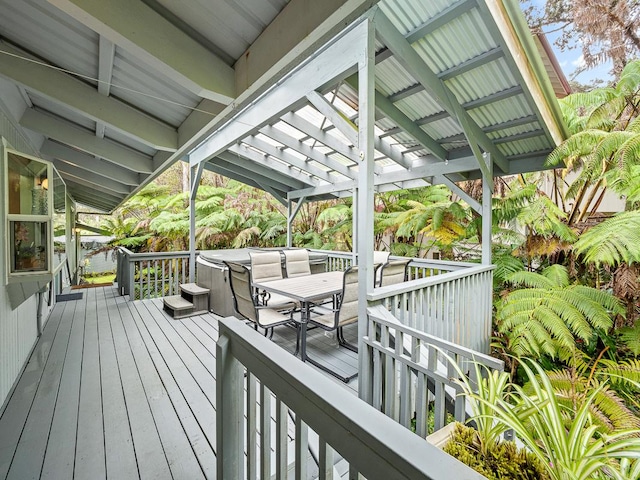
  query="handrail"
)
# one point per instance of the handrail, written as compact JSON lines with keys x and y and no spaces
{"x":402,"y":363}
{"x":455,"y":306}
{"x":373,"y":444}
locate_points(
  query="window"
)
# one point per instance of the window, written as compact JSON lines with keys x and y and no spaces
{"x":29,"y":202}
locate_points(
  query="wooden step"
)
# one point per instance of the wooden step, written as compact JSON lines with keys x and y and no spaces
{"x":177,"y":306}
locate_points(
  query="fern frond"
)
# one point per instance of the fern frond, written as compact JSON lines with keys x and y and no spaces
{"x":615,"y":240}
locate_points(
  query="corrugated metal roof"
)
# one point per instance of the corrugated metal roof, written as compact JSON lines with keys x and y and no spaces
{"x":153,"y":108}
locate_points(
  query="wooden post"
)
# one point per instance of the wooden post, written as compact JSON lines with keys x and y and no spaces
{"x":229,"y":412}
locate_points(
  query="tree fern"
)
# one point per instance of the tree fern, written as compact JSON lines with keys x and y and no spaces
{"x":613,"y":241}
{"x":547,"y":316}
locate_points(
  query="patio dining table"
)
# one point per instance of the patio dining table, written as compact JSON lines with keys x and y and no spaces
{"x":308,"y":290}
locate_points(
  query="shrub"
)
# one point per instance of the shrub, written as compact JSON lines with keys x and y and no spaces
{"x":501,"y":460}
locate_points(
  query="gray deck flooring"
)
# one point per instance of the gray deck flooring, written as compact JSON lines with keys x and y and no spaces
{"x":116,"y":389}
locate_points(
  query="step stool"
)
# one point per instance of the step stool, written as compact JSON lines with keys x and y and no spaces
{"x":177,"y":306}
{"x":197,"y":295}
{"x":193,"y":300}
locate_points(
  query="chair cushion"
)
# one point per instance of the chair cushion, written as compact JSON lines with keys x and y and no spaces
{"x":268,"y":317}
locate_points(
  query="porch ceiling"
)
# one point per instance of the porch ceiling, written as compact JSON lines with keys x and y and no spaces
{"x":115,"y":92}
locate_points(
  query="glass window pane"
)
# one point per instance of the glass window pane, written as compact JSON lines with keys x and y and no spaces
{"x":28,"y":184}
{"x":29,"y":242}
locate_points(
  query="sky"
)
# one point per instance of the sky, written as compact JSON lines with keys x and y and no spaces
{"x":571,"y":59}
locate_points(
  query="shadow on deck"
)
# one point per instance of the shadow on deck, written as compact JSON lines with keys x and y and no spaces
{"x":117,"y":389}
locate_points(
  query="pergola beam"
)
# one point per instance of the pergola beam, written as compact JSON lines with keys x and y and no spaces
{"x":278,"y":168}
{"x":99,"y":181}
{"x":337,"y":118}
{"x":334,"y":61}
{"x":281,"y":153}
{"x":306,"y":150}
{"x":261,"y":174}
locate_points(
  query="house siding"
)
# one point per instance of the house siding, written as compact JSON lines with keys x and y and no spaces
{"x":18,"y":327}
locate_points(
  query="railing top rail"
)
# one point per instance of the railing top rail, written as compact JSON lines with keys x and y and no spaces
{"x":155,"y":255}
{"x":385,"y":318}
{"x":349,"y":425}
{"x":399,"y":288}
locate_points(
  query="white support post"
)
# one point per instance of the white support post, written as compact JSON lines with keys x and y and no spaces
{"x":196,"y":173}
{"x":291,"y":215}
{"x":487,"y":192}
{"x":354,"y":226}
{"x":364,"y":206}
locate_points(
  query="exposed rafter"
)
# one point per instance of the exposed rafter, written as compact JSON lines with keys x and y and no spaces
{"x":89,"y":163}
{"x":84,"y":99}
{"x":157,"y":42}
{"x":64,"y":132}
{"x":413,"y":63}
{"x":100,"y":182}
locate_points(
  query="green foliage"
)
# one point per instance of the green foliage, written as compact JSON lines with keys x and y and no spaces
{"x":630,"y":337}
{"x":612,"y":241}
{"x":547,"y":315}
{"x":564,"y":439}
{"x":499,"y":461}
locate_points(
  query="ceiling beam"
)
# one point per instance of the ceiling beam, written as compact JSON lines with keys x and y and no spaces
{"x":414,"y":64}
{"x":260,"y":175}
{"x":85,"y":100}
{"x":93,"y":190}
{"x":108,"y":184}
{"x":81,"y":139}
{"x":306,"y":127}
{"x":90,"y":163}
{"x":273,"y":164}
{"x":337,"y":118}
{"x":154,"y":40}
{"x":335,"y":61}
{"x":227,"y":171}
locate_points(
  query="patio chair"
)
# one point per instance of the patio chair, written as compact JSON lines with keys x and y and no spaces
{"x":296,"y":262}
{"x":345,"y":312}
{"x":265,"y":267}
{"x":379,"y":259}
{"x":247,"y":304}
{"x":392,"y":272}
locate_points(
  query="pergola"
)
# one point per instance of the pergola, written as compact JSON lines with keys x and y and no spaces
{"x":305,"y":100}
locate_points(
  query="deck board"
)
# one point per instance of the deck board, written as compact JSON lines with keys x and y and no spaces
{"x":117,"y":389}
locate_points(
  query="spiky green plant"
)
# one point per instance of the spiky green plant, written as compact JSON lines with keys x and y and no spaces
{"x":565,"y":440}
{"x":613,"y":241}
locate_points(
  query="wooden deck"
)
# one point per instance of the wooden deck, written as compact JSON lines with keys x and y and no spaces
{"x":117,"y":389}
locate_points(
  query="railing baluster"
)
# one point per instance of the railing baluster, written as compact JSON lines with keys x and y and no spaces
{"x":282,"y":420}
{"x":302,"y":446}
{"x":265,"y":432}
{"x":251,"y":424}
{"x":325,"y":461}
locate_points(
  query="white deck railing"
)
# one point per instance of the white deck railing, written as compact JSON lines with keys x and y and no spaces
{"x":455,"y":306}
{"x":409,"y":375}
{"x":278,"y":418}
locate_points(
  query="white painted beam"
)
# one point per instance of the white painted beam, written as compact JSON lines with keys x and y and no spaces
{"x":90,"y":163}
{"x":141,"y":31}
{"x":323,"y":137}
{"x":332,"y":62}
{"x":260,"y":173}
{"x":343,"y":124}
{"x":284,"y":169}
{"x":93,"y":189}
{"x":83,"y":140}
{"x":85,"y":100}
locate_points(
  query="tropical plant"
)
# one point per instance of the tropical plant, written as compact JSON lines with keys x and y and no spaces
{"x":565,"y":440}
{"x":549,"y":314}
